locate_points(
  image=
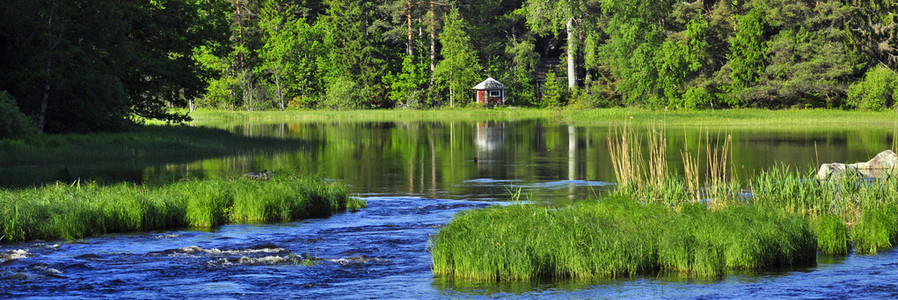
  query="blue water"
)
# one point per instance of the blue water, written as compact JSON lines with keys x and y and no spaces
{"x":382,"y":251}
{"x":378,"y":252}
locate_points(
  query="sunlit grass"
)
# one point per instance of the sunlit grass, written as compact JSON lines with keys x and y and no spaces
{"x":61,"y":211}
{"x":616,"y":237}
{"x":699,"y":226}
{"x":732,"y":118}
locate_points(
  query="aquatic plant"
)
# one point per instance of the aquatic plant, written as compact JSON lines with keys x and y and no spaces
{"x":617,"y":236}
{"x":61,"y":211}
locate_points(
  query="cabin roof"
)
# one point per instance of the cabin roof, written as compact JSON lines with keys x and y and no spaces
{"x":490,"y":84}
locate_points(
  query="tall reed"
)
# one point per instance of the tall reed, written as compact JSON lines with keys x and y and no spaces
{"x":626,"y":157}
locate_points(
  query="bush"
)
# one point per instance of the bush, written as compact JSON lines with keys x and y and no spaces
{"x":344,"y":93}
{"x":877,"y":91}
{"x":13,"y":122}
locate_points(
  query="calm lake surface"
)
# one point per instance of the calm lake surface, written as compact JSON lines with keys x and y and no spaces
{"x":415,"y":176}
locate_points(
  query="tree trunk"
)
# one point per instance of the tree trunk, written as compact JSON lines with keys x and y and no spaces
{"x":43,"y":113}
{"x":51,"y":45}
{"x":571,"y":58}
{"x":277,"y":83}
{"x":433,"y":38}
{"x":451,"y":90}
{"x":408,"y":17}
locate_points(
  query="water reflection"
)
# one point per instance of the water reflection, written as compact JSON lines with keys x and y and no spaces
{"x":436,"y":159}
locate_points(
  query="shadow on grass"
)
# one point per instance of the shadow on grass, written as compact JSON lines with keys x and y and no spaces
{"x":118,"y":157}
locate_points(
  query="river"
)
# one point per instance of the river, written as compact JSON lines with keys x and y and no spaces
{"x":415,"y":176}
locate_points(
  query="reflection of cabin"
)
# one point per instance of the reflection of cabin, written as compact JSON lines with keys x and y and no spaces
{"x":490,"y":92}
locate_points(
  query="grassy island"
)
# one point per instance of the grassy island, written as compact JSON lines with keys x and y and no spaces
{"x":698,"y":223}
{"x":62,"y":211}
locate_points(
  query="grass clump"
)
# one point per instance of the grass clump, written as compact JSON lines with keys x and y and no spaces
{"x":60,"y":211}
{"x":615,"y":237}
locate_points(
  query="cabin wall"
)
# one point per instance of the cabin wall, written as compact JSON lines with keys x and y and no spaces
{"x":482,"y":97}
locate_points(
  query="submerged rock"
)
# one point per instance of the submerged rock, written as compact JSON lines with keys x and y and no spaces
{"x":264,"y":175}
{"x":884,"y":163}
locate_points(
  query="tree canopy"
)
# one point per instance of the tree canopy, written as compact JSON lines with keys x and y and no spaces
{"x":77,"y":65}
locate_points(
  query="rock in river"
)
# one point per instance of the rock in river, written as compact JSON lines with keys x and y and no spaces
{"x":885,"y":162}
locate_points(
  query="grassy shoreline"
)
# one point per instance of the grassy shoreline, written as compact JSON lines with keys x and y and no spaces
{"x":597,"y":117}
{"x":61,"y":211}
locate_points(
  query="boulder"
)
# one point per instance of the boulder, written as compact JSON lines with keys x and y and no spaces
{"x":884,"y":163}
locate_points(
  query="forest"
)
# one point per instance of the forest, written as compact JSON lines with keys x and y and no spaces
{"x":82,"y":66}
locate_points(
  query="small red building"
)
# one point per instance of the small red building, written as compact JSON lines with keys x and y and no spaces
{"x":490,"y":92}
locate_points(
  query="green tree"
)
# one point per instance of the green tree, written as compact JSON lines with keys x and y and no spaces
{"x":409,"y":87}
{"x":98,"y":63}
{"x":290,"y":51}
{"x":457,"y":72}
{"x":550,"y":17}
{"x":352,"y":42}
{"x":747,"y":50}
{"x":635,"y":34}
{"x":553,"y":95}
{"x":523,"y":69}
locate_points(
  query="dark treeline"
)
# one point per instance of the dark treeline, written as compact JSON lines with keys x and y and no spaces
{"x":80,"y":65}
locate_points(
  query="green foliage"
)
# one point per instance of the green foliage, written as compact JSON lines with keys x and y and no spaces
{"x":457,"y":72}
{"x":344,"y":93}
{"x":290,"y":53}
{"x":13,"y":123}
{"x":554,"y":93}
{"x":522,"y":85}
{"x":408,"y":89}
{"x":93,"y":65}
{"x":878,"y":90}
{"x":747,"y":50}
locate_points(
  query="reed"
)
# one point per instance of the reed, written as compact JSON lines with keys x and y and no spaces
{"x":60,"y":211}
{"x":690,"y":171}
{"x":626,"y":157}
{"x":617,"y":237}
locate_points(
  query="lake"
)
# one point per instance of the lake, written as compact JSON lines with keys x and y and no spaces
{"x":415,"y":176}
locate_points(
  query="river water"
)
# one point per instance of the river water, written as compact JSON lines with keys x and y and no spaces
{"x":415,"y":176}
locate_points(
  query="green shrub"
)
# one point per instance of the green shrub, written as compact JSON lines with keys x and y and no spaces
{"x":13,"y":123}
{"x":878,"y":90}
{"x":344,"y":93}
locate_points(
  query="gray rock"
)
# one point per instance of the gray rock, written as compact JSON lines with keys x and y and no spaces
{"x":884,"y":163}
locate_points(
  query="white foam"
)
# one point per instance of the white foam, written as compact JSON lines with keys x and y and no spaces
{"x":13,"y":255}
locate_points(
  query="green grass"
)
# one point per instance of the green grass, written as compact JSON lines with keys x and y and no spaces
{"x":733,"y":118}
{"x":615,"y":237}
{"x":61,"y":211}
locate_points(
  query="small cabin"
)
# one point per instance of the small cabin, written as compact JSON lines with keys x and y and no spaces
{"x":490,"y":92}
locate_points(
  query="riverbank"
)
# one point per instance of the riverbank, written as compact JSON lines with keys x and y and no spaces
{"x":63,"y":211}
{"x":754,"y":118}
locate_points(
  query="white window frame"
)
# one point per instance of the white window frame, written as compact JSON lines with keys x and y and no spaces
{"x":495,"y":93}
